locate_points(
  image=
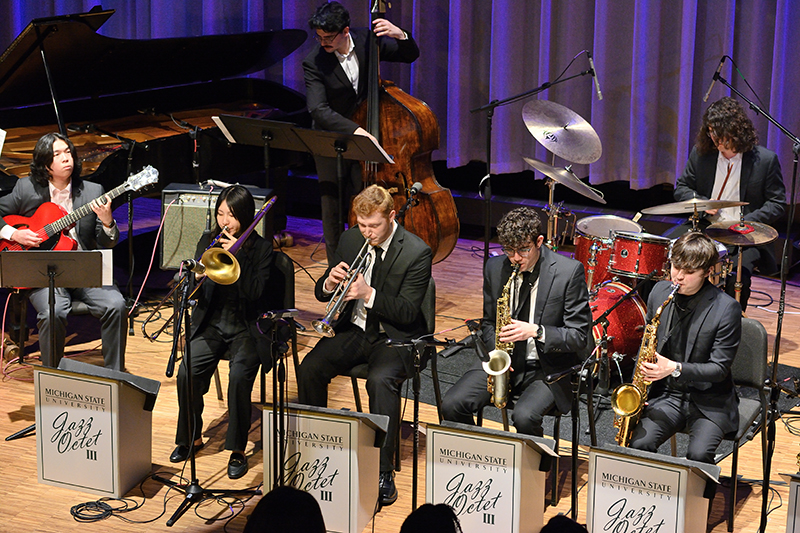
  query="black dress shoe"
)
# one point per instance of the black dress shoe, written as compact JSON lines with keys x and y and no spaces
{"x":181,"y":453}
{"x":237,"y":466}
{"x":386,"y":489}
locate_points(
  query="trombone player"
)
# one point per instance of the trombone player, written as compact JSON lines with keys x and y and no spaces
{"x":384,"y":302}
{"x":225,"y":321}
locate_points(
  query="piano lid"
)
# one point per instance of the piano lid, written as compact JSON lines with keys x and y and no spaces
{"x":84,"y":64}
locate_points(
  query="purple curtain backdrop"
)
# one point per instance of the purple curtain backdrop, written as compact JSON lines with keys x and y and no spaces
{"x":655,"y":61}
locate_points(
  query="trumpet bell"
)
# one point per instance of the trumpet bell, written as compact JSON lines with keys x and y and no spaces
{"x":626,"y":400}
{"x":221,"y":266}
{"x":323,"y":328}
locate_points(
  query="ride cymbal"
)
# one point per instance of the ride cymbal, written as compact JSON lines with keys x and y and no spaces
{"x":744,"y":233}
{"x":562,"y":131}
{"x":689,"y":206}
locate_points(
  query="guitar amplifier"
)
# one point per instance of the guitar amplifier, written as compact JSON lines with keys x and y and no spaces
{"x":185,"y":219}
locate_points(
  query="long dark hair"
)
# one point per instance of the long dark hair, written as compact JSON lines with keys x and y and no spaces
{"x":43,"y":159}
{"x":729,"y":122}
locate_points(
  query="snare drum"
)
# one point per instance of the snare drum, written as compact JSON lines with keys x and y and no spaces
{"x":638,"y":254}
{"x":593,"y":244}
{"x":625,"y":323}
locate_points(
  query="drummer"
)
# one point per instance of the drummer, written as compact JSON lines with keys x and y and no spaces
{"x":727,"y":164}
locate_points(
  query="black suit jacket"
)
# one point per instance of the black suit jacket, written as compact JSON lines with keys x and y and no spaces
{"x":713,"y":338}
{"x":761,"y":185}
{"x":562,"y":307}
{"x":252,"y":287}
{"x":400,"y":284}
{"x":28,"y":195}
{"x":330,"y":96}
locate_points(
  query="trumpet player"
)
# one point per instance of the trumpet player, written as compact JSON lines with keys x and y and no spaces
{"x":384,"y":302}
{"x":225,"y":321}
{"x":697,"y":339}
{"x":549,"y":326}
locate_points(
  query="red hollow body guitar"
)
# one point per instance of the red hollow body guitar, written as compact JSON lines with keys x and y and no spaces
{"x":52,"y":223}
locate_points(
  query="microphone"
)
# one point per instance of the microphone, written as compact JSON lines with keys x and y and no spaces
{"x":195,"y":266}
{"x":282,"y":313}
{"x":714,"y":79}
{"x":480,"y":347}
{"x":594,"y":76}
{"x":415,"y":188}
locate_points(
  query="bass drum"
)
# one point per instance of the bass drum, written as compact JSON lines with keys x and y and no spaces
{"x":594,"y":244}
{"x":626,"y":323}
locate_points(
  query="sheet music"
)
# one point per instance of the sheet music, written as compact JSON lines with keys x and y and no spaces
{"x":2,"y":140}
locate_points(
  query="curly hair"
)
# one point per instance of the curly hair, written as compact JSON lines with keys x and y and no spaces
{"x":694,"y":251}
{"x":519,"y":228}
{"x":371,"y":200}
{"x":330,"y":17}
{"x":727,"y":119}
{"x":43,"y":159}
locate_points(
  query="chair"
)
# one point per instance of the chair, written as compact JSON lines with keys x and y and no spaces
{"x":281,"y":278}
{"x":749,"y":370}
{"x":361,"y":371}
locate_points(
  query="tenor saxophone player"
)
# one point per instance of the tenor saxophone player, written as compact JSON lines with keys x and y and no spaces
{"x":697,"y":339}
{"x":548,"y":326}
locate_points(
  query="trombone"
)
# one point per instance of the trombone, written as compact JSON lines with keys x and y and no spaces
{"x":216,"y":263}
{"x":334,"y":307}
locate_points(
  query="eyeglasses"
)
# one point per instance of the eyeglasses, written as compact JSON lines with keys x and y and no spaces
{"x":326,"y":39}
{"x":523,"y":252}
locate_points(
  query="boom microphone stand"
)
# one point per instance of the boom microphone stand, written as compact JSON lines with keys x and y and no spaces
{"x":194,"y":492}
{"x":775,"y":388}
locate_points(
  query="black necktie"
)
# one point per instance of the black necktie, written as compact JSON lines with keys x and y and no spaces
{"x":372,"y":328}
{"x":523,"y":312}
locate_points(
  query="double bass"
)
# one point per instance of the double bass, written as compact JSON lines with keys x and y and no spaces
{"x":408,"y":130}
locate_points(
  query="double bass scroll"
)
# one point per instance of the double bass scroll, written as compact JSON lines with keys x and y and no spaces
{"x":408,"y":130}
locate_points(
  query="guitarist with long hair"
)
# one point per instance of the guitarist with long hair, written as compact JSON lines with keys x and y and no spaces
{"x":55,"y":177}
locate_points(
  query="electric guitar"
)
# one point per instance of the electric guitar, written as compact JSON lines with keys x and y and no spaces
{"x":52,"y":223}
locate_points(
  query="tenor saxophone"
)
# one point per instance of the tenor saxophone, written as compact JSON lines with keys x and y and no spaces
{"x":628,"y":399}
{"x":499,"y":363}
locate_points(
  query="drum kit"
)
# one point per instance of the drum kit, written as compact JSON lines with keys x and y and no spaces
{"x":615,"y":251}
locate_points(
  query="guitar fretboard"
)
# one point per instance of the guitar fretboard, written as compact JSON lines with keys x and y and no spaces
{"x":66,"y":221}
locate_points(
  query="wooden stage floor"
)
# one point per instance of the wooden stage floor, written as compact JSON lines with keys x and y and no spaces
{"x":30,"y":506}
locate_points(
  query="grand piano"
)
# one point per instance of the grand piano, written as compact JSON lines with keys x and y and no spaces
{"x":130,"y":103}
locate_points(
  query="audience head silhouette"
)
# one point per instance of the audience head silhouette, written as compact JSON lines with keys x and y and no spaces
{"x":429,"y":518}
{"x":563,"y":524}
{"x":286,"y":510}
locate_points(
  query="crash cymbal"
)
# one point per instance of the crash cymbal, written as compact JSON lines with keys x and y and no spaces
{"x":745,"y":233}
{"x":562,"y":131}
{"x":564,"y":177}
{"x":689,"y":206}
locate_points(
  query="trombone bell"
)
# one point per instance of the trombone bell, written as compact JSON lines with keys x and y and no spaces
{"x":221,"y":266}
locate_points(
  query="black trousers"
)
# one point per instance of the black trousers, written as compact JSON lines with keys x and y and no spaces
{"x":329,"y":197}
{"x":666,"y":415}
{"x":207,"y":348}
{"x":387,"y":370}
{"x":469,"y":395}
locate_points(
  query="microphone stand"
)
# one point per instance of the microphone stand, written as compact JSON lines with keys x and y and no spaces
{"x":276,"y":323}
{"x":486,"y":182}
{"x":194,"y":492}
{"x":604,"y":372}
{"x":775,"y":389}
{"x":410,"y":202}
{"x":417,"y":348}
{"x":576,"y":373}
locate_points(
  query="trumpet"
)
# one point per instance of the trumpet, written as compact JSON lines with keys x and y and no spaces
{"x":218,"y":264}
{"x":334,"y":307}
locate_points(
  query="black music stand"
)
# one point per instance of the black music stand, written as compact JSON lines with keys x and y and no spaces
{"x":39,"y":268}
{"x":286,"y":136}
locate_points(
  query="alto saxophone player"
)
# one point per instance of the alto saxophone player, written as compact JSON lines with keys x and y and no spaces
{"x":697,"y":339}
{"x":549,"y":326}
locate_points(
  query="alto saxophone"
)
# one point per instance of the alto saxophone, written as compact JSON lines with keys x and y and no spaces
{"x":628,"y":399}
{"x":498,"y":383}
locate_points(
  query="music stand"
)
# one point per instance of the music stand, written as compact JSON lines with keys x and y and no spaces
{"x":39,"y":268}
{"x":286,"y":136}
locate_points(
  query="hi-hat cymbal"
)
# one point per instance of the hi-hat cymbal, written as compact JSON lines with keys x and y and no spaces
{"x":564,"y":177}
{"x":689,"y":206}
{"x":562,"y":131}
{"x":745,"y":233}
